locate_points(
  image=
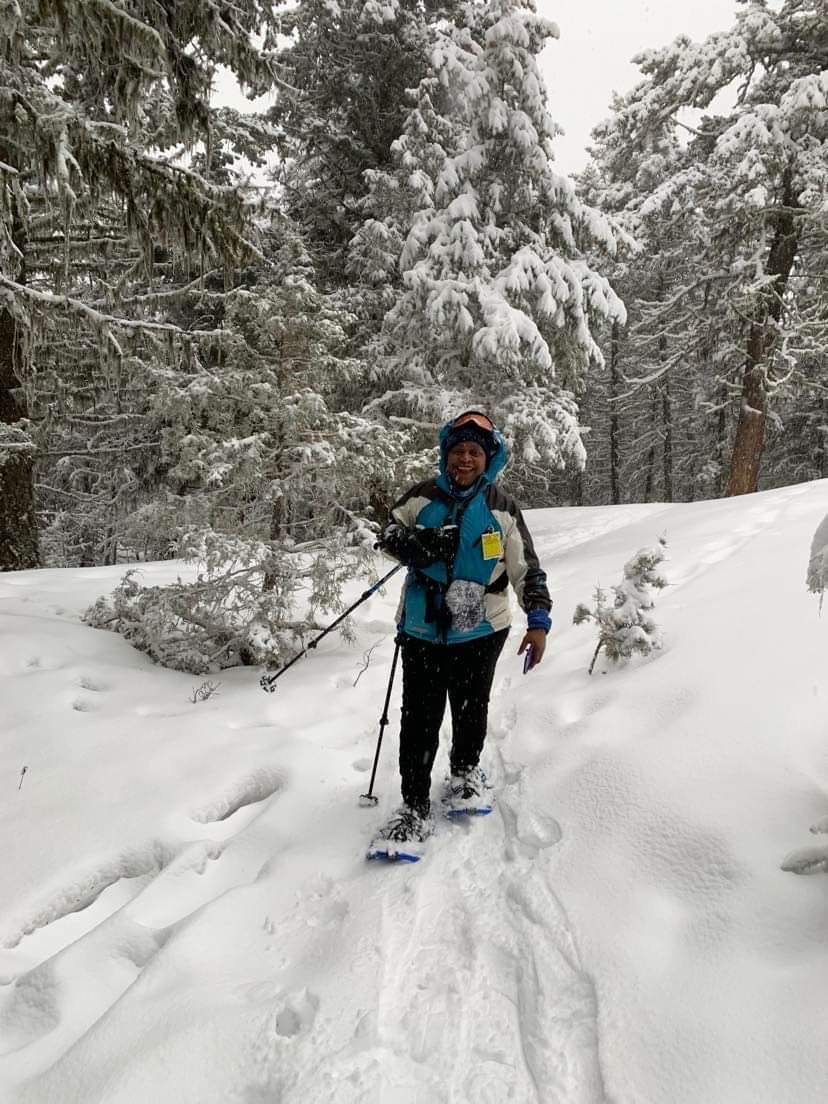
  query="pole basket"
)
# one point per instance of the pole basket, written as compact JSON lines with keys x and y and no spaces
{"x":368,"y":801}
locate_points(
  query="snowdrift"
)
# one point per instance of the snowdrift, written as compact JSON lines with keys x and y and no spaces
{"x":186,"y":914}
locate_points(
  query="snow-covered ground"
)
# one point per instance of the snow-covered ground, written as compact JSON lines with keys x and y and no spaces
{"x":186,"y":914}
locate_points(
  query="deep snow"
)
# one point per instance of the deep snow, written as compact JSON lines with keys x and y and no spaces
{"x":186,"y":914}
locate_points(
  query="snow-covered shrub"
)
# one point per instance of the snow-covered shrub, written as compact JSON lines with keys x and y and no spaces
{"x":627,"y":626}
{"x":817,"y":577}
{"x":238,"y":610}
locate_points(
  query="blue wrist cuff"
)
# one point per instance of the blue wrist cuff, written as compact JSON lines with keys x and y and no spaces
{"x":539,"y":619}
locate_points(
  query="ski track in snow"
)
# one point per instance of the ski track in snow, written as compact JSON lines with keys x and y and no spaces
{"x":467,"y":985}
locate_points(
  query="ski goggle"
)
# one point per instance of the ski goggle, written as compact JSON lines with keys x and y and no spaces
{"x":474,"y":417}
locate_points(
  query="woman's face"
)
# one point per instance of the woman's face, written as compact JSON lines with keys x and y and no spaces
{"x":465,"y":462}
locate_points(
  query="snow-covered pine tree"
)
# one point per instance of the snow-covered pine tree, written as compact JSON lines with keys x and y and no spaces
{"x":344,"y":67}
{"x":757,"y":174}
{"x":654,"y":408}
{"x":102,"y":221}
{"x":486,"y":240}
{"x":627,"y":626}
{"x":268,"y":485}
{"x":797,"y":440}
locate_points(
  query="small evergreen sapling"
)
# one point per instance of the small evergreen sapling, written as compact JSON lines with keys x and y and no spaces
{"x":627,"y":626}
{"x":817,"y":577}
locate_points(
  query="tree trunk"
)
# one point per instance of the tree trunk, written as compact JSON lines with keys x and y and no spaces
{"x":823,"y":447}
{"x":18,"y":521}
{"x":746,"y":460}
{"x":651,"y":452}
{"x":578,"y":489}
{"x":667,"y":422}
{"x":615,"y":492}
{"x":721,"y":434}
{"x":278,"y":531}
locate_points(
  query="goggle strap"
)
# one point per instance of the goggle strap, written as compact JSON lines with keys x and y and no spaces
{"x":476,"y":417}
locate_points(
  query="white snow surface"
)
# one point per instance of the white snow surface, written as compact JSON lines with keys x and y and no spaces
{"x":186,"y":914}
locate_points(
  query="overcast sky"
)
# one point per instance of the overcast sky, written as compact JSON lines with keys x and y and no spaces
{"x":591,"y":59}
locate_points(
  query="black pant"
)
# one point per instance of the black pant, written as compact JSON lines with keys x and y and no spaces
{"x":465,"y":673}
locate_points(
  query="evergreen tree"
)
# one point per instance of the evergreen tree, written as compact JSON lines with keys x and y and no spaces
{"x":627,"y":626}
{"x":342,"y":78}
{"x":664,"y":397}
{"x":102,"y":218}
{"x":267,"y":485}
{"x":484,"y":239}
{"x":756,"y":175}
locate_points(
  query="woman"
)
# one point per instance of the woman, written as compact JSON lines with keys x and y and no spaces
{"x":464,"y":540}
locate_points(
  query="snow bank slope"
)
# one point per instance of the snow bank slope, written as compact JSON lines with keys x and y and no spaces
{"x":185,"y":914}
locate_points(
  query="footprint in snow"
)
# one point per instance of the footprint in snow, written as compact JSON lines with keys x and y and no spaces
{"x":362,"y":764}
{"x":325,"y":907}
{"x":296,"y":1015}
{"x":505,"y":723}
{"x":30,"y":1009}
{"x":86,"y":682}
{"x":807,"y":860}
{"x":250,"y":790}
{"x":512,"y":773}
{"x":536,"y":829}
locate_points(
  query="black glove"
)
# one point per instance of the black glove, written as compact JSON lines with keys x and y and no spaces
{"x":420,"y":547}
{"x":441,"y":544}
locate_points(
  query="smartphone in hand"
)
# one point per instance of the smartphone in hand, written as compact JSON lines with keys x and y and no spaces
{"x":527,"y":658}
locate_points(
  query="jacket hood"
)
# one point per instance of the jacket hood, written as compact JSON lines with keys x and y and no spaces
{"x":493,"y":468}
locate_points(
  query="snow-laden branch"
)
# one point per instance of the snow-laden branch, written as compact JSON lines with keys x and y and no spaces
{"x":138,"y":25}
{"x":50,"y":301}
{"x":196,"y":285}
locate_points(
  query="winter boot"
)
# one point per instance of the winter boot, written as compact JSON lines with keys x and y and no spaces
{"x":468,"y":791}
{"x":404,"y":834}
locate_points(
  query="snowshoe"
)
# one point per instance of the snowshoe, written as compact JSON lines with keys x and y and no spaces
{"x":403,"y":837}
{"x":468,"y":794}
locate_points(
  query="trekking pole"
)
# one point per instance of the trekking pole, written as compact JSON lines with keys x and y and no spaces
{"x":368,"y":800}
{"x":268,"y":682}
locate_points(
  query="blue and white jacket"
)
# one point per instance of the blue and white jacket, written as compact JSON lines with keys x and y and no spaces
{"x":486,"y":510}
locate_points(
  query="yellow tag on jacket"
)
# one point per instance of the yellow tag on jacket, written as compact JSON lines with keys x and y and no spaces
{"x":492,"y":546}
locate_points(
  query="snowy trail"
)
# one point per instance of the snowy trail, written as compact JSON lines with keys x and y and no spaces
{"x":187,"y":916}
{"x":463,"y":978}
